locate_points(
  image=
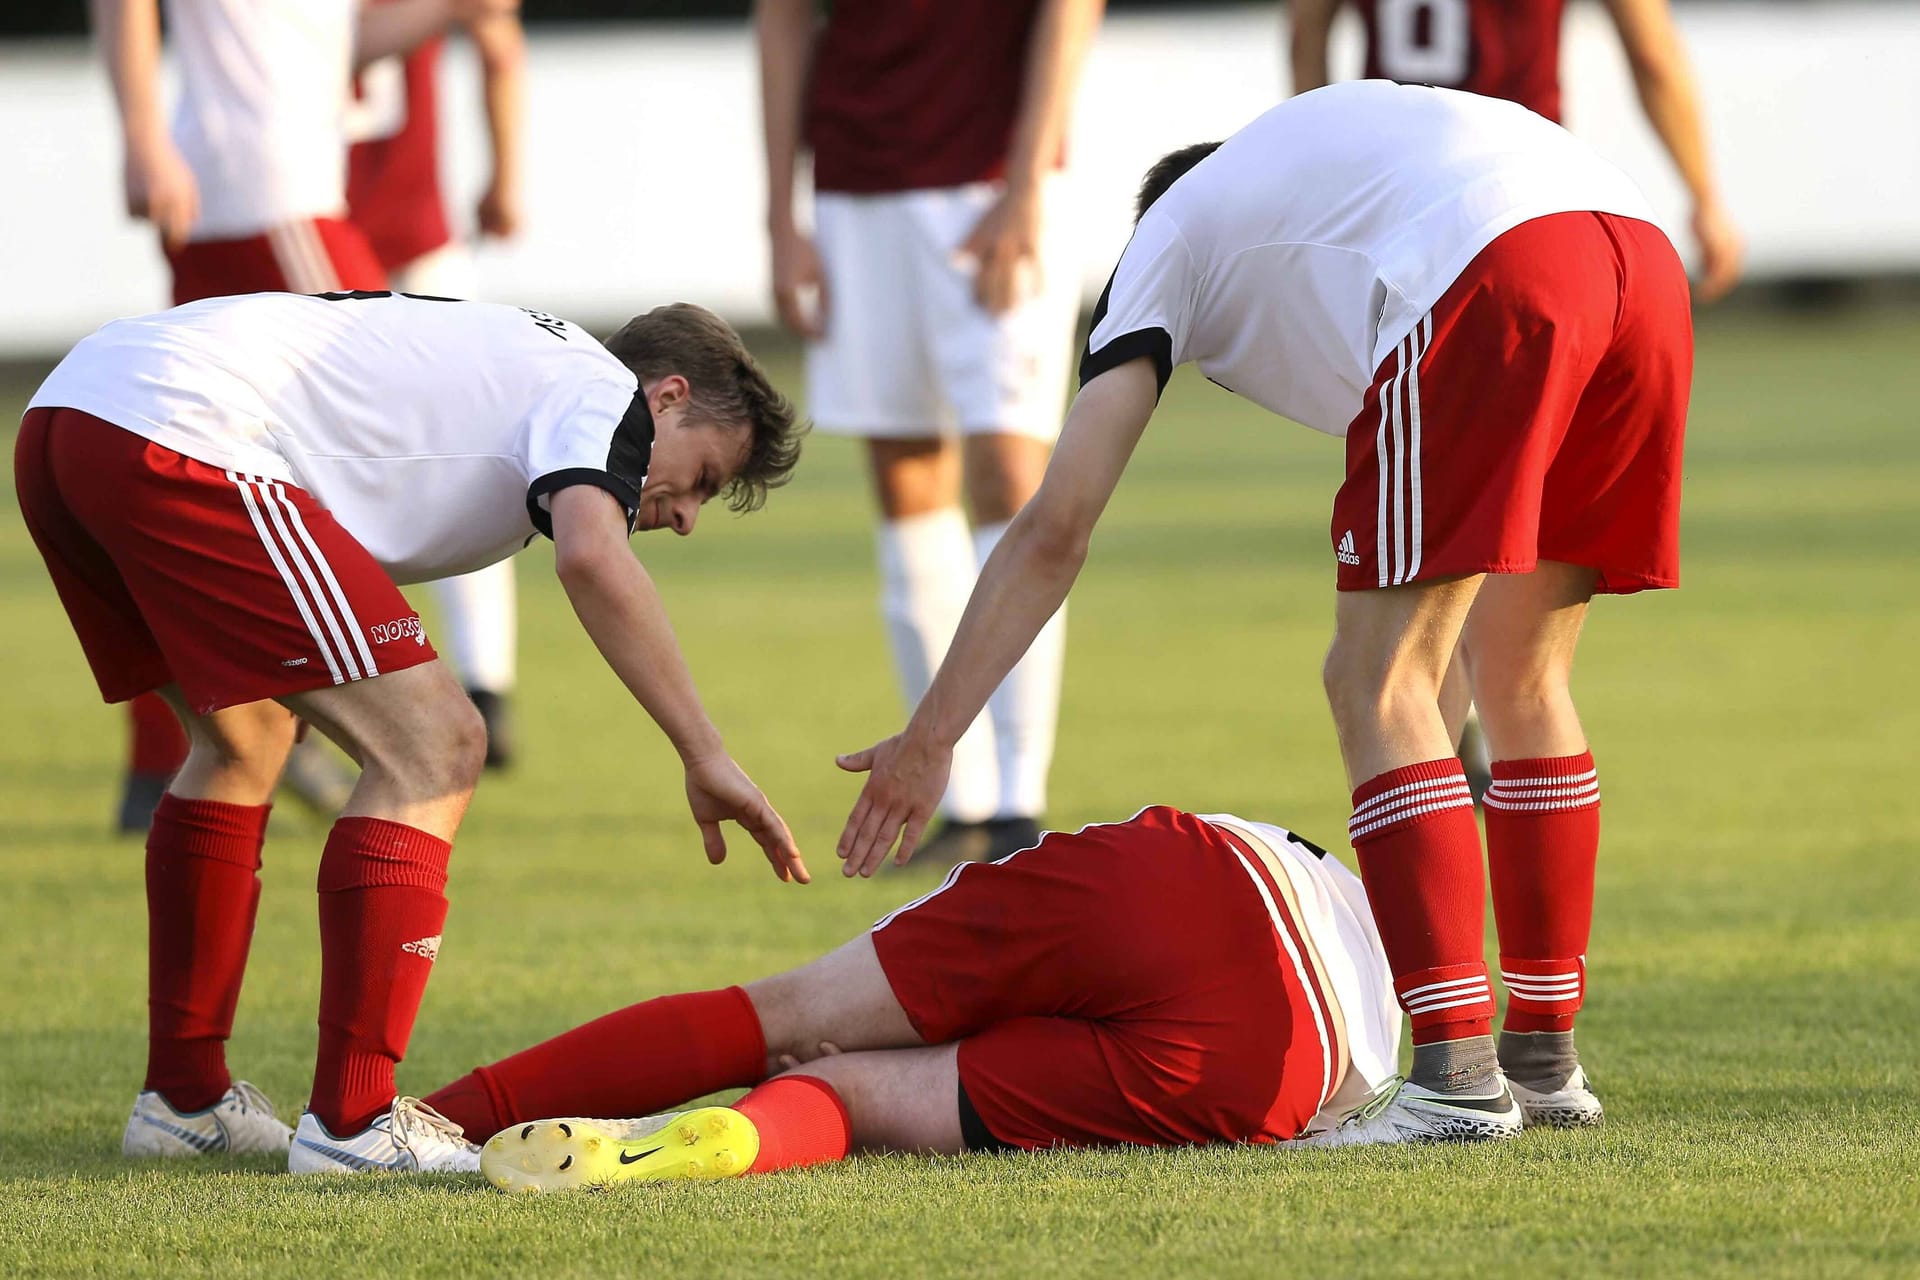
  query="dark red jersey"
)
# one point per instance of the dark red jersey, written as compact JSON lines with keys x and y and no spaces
{"x":1501,"y":48}
{"x":907,"y":94}
{"x":393,"y":180}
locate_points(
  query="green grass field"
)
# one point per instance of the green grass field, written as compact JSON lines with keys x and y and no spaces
{"x":1754,"y":1016}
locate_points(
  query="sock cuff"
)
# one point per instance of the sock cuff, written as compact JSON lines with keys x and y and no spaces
{"x":752,"y":1019}
{"x":1547,"y":785}
{"x":825,"y":1090}
{"x":211,"y":829}
{"x":1400,"y":797}
{"x":367,"y":853}
{"x":1551,"y":987}
{"x":1452,"y":993}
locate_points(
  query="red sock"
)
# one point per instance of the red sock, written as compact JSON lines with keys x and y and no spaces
{"x":1419,"y":853}
{"x":159,"y":745}
{"x":801,"y":1121}
{"x":645,"y":1058}
{"x":1543,"y":837}
{"x":382,"y":906}
{"x":202,"y":892}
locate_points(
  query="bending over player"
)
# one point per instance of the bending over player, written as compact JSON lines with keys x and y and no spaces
{"x":227,"y":494}
{"x":1167,"y":980}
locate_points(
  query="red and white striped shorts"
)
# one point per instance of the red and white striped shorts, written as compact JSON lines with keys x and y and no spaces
{"x":308,"y":255}
{"x":1535,"y":413}
{"x":236,"y":587}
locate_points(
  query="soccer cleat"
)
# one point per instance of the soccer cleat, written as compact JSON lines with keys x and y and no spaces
{"x":498,"y":716}
{"x":1402,"y":1111}
{"x":564,"y":1155}
{"x":1008,"y":836}
{"x":240,"y":1123}
{"x":410,"y":1138}
{"x":1574,"y":1105}
{"x":955,"y":842}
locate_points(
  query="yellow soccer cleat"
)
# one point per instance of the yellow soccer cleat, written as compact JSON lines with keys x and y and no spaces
{"x":569,"y":1154}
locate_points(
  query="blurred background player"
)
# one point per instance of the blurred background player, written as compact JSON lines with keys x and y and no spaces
{"x":394,"y":198}
{"x":246,"y":189}
{"x":1511,"y":49}
{"x":935,"y":298}
{"x":1042,"y":1002}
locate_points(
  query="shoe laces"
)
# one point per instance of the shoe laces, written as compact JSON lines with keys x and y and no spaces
{"x":251,"y":1099}
{"x":1377,"y":1102}
{"x":411,"y":1118}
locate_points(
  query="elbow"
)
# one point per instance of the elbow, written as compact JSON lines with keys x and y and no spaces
{"x":579,"y":568}
{"x":1059,"y":540}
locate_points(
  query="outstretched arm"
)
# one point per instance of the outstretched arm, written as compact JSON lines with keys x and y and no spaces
{"x":502,"y":46}
{"x":1664,"y":81}
{"x":617,"y":604}
{"x":159,"y":186}
{"x":1307,"y":45}
{"x":1022,"y":585}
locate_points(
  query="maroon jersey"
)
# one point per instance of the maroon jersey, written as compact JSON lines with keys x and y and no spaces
{"x":906,"y":94}
{"x":1501,"y":48}
{"x":393,"y":182}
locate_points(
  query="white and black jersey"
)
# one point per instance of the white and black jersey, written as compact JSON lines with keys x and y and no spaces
{"x":434,"y":431}
{"x":1290,"y":262}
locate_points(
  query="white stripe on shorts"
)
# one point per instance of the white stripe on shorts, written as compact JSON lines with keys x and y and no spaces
{"x":294,"y":587}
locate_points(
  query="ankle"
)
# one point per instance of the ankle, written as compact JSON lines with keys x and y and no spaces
{"x":1541,"y":1060}
{"x":1467,"y":1065}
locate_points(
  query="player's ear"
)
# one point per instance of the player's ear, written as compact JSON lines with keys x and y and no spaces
{"x":668,"y":392}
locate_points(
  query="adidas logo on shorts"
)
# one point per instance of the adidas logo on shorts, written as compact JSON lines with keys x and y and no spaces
{"x":1345,"y":552}
{"x":428,"y":948}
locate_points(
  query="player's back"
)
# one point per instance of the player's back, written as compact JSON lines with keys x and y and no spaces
{"x":1500,"y":48}
{"x":1321,"y":231}
{"x":421,"y":423}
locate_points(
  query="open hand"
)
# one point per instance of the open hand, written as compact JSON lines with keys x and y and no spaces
{"x":906,"y":780}
{"x":1004,"y":248}
{"x":1723,"y":252}
{"x":717,"y":791}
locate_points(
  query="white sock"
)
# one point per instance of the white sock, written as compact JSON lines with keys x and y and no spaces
{"x":1026,"y":706}
{"x":477,"y":610}
{"x":926,"y":574}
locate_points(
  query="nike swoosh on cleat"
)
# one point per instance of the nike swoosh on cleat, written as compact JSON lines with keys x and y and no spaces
{"x":1499,"y":1105}
{"x":627,"y":1158}
{"x":198,"y":1141}
{"x":362,"y":1163}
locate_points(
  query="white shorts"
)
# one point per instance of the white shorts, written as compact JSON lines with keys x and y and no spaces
{"x":908,"y":352}
{"x":446,"y":272}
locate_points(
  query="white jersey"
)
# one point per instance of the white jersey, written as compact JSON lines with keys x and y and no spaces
{"x":262,"y":114}
{"x":1331,"y":905}
{"x":1290,"y":262}
{"x":434,"y":431}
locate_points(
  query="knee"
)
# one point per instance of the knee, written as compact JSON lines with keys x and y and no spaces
{"x":443,"y":755}
{"x":1364,"y":688}
{"x":256,"y":736}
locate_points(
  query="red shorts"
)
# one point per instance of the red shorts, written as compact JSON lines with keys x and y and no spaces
{"x":1536,"y":413}
{"x":237,"y":588}
{"x":1125,"y":984}
{"x":311,"y":255}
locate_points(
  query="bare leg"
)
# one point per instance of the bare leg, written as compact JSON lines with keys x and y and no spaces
{"x":417,"y":739}
{"x":234,"y":755}
{"x":1520,"y":638}
{"x":898,"y":1099}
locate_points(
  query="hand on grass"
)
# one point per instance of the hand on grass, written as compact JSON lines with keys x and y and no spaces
{"x":717,"y":791}
{"x":906,"y":778}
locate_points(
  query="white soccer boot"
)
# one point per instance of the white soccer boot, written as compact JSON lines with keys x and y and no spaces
{"x":410,"y":1138}
{"x":1402,"y":1111}
{"x":241,"y":1122}
{"x":1574,"y":1105}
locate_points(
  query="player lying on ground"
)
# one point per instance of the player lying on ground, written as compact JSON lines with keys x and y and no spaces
{"x":226,"y":495}
{"x":1166,"y":980}
{"x":1483,"y":307}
